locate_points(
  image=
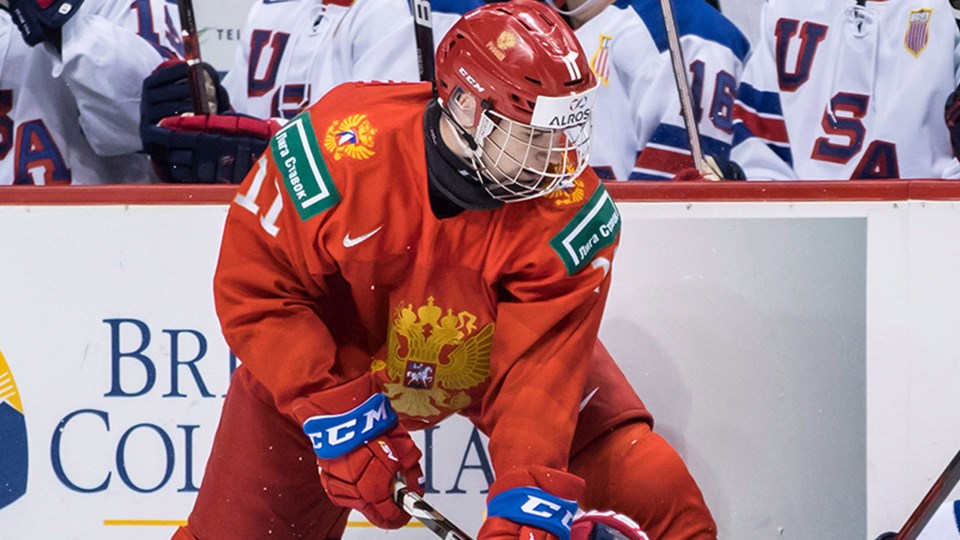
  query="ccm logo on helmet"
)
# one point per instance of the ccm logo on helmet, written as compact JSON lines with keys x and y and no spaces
{"x":469,"y":78}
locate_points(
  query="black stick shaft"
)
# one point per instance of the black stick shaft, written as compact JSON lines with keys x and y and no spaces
{"x":423,"y":27}
{"x":420,"y":510}
{"x":191,"y":53}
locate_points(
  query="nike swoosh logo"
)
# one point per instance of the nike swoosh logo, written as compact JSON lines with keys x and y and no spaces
{"x":350,"y":242}
{"x":583,"y":404}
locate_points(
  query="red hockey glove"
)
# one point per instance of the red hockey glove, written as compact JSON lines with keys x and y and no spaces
{"x":206,"y":149}
{"x":534,"y":504}
{"x":41,"y":20}
{"x":606,"y":526}
{"x":951,"y":115}
{"x":361,"y":451}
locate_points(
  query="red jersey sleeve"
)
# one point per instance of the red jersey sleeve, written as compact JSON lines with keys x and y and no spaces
{"x":548,"y":321}
{"x":269,"y":285}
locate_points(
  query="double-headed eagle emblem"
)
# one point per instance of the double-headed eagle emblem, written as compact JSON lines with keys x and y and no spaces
{"x":351,"y":137}
{"x":433,"y":359}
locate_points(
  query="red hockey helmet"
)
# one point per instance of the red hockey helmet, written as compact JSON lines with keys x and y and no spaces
{"x":525,"y":68}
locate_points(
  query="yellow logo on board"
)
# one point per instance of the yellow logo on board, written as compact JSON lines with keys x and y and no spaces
{"x":8,"y":387}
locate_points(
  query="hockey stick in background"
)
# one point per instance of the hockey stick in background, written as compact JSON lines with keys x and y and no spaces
{"x":683,"y":87}
{"x":423,"y":28}
{"x":930,"y":503}
{"x":419,"y":509}
{"x":201,"y":87}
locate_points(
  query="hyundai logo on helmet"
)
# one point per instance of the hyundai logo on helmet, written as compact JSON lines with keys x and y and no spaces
{"x":563,"y":111}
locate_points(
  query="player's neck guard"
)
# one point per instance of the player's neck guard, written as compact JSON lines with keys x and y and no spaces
{"x":452,"y":183}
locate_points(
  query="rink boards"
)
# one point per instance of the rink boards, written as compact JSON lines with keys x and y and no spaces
{"x":800,"y":353}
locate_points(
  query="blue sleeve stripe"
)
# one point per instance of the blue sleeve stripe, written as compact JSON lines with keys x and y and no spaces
{"x":785,"y":154}
{"x":760,"y":101}
{"x":694,"y":17}
{"x":643,"y":174}
{"x":460,"y":7}
{"x":676,"y":137}
{"x":741,"y":133}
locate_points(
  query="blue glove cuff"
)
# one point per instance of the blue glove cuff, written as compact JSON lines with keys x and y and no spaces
{"x":339,"y":434}
{"x":535,"y":507}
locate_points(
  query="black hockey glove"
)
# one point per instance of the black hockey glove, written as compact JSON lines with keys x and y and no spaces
{"x":952,"y":117}
{"x":206,"y":149}
{"x":41,"y":20}
{"x":166,"y":92}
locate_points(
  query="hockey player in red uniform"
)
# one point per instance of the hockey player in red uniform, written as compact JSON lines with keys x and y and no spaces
{"x":396,"y":258}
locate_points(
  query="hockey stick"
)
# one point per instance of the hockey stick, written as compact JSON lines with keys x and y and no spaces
{"x":683,"y":87}
{"x":423,"y":29}
{"x":201,"y":88}
{"x":930,"y":503}
{"x":419,"y":509}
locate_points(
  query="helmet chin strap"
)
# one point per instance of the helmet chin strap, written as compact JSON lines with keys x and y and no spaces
{"x":469,"y":147}
{"x":470,"y":144}
{"x":587,"y":4}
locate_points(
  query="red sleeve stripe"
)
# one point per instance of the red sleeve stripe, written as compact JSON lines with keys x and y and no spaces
{"x":659,"y":159}
{"x":771,"y":128}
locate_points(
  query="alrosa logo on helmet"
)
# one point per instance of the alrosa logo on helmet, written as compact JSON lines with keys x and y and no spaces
{"x":469,"y":78}
{"x":571,"y":119}
{"x":563,"y":111}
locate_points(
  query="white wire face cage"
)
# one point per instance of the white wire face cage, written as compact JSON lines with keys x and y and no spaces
{"x":516,"y":161}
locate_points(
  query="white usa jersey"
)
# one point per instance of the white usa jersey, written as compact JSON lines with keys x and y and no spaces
{"x":283,"y":62}
{"x":74,"y":118}
{"x":638,"y":131}
{"x":293,"y":51}
{"x":837,"y":91}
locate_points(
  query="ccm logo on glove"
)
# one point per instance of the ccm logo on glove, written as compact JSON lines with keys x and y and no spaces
{"x":335,"y":435}
{"x":535,"y":507}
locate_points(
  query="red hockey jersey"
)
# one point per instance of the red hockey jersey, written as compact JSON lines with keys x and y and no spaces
{"x":333,"y":264}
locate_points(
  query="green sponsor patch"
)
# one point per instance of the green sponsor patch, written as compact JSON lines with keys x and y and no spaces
{"x":593,"y":228}
{"x":297,"y":155}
